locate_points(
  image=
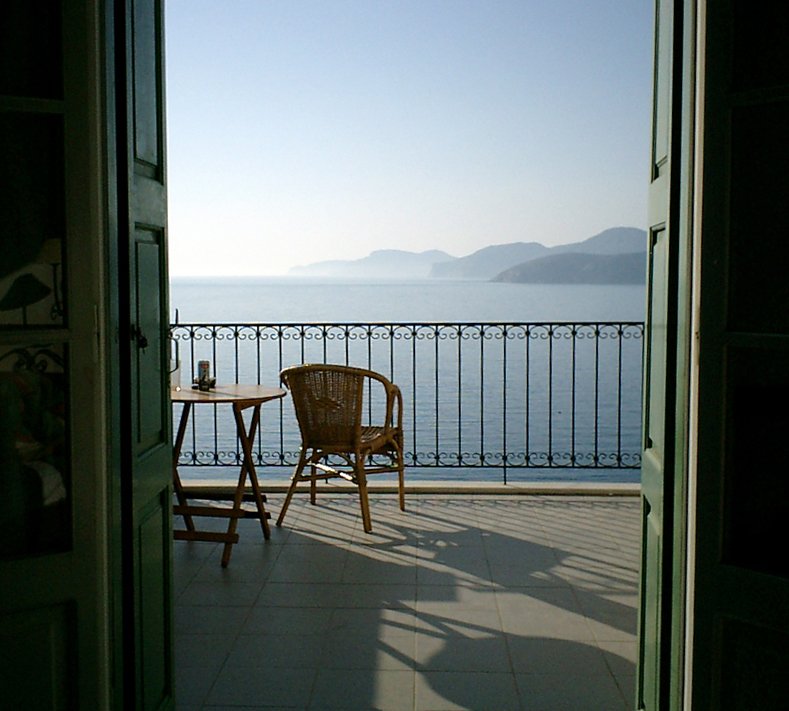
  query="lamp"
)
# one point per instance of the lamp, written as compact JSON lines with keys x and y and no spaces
{"x":25,"y":291}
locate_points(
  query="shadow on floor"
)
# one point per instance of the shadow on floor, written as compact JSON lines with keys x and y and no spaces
{"x":455,"y":603}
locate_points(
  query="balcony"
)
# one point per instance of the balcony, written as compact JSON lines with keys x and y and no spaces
{"x":460,"y":602}
{"x":470,"y":600}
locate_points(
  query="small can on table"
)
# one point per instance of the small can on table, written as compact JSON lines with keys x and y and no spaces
{"x":203,"y":374}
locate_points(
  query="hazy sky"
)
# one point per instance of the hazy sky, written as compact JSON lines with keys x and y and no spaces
{"x":300,"y":131}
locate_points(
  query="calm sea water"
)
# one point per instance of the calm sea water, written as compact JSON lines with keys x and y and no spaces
{"x":299,"y":300}
{"x":290,"y":299}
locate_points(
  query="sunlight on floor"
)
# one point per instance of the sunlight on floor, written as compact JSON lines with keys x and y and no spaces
{"x":461,"y":602}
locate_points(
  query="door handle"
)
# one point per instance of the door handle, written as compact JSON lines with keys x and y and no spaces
{"x":139,"y":336}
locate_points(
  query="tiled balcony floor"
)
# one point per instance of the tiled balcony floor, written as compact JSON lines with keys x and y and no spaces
{"x":461,"y":602}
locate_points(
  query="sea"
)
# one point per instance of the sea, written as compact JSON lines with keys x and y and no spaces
{"x":301,"y":300}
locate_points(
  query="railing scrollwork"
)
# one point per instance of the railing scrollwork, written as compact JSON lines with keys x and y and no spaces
{"x":494,"y":396}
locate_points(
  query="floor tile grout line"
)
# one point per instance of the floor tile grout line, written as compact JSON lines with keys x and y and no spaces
{"x":194,"y":575}
{"x":507,"y":645}
{"x":238,"y":633}
{"x":416,"y":597}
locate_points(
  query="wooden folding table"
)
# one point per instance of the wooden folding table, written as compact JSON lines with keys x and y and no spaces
{"x":240,"y":397}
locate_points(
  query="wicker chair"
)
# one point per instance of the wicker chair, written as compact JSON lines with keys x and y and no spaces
{"x":329,"y":401}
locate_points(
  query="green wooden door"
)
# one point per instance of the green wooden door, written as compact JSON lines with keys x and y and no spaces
{"x":144,"y":406}
{"x":665,"y":364}
{"x":654,"y":464}
{"x":740,"y":620}
{"x":54,"y":629}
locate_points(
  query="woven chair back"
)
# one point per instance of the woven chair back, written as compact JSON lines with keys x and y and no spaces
{"x":328,"y":404}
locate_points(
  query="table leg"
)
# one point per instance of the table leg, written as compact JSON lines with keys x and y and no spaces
{"x":247,"y":468}
{"x":177,"y":486}
{"x":252,"y":471}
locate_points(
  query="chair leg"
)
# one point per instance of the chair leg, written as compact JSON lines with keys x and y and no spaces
{"x":401,"y":486}
{"x":294,"y":480}
{"x":313,"y":484}
{"x":361,"y":479}
{"x":400,"y":463}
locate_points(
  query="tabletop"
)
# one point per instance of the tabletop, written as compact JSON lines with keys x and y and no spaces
{"x":233,"y":393}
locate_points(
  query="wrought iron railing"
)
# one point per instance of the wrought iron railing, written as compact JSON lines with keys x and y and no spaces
{"x":497,"y":396}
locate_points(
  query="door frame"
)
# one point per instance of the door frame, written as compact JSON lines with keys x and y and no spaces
{"x":687,"y":287}
{"x":677,"y":674}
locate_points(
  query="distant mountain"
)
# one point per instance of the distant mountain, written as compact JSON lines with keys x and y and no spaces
{"x":579,"y":268}
{"x":484,"y":264}
{"x":383,"y":263}
{"x":488,"y":262}
{"x":615,"y":240}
